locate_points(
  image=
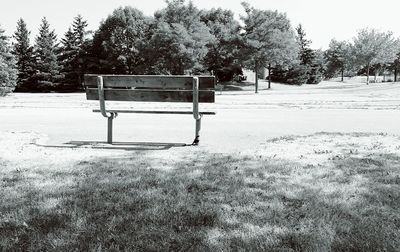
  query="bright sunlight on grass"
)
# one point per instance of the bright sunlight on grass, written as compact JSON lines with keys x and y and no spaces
{"x":208,"y":202}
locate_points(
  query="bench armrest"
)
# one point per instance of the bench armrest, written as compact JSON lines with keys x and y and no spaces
{"x":196,"y":113}
{"x":100,"y":87}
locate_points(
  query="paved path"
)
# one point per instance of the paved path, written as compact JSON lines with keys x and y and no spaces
{"x":243,"y":120}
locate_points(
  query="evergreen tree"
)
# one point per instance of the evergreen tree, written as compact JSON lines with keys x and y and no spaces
{"x":23,"y":52}
{"x":309,"y":58}
{"x":72,"y":54}
{"x":47,"y":68}
{"x":8,"y":68}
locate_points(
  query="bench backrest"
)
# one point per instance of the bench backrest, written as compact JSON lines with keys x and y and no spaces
{"x":150,"y":88}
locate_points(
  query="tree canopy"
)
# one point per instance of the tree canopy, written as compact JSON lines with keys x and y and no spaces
{"x":269,"y":39}
{"x":371,"y":47}
{"x":8,"y":68}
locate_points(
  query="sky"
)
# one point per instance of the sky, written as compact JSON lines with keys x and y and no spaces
{"x":322,"y":20}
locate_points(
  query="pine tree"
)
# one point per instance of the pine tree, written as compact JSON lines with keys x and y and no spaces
{"x":8,"y":68}
{"x":309,"y":58}
{"x":72,"y":54}
{"x":79,"y":29}
{"x":23,"y":52}
{"x":47,"y":68}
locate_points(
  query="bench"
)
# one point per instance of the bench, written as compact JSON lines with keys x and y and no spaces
{"x":150,"y":88}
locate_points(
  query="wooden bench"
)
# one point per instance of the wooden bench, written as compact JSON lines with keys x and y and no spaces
{"x":150,"y":88}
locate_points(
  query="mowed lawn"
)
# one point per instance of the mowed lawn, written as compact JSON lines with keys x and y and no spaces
{"x":206,"y":201}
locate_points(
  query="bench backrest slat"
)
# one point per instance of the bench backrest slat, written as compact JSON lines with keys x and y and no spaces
{"x":150,"y":81}
{"x":150,"y":95}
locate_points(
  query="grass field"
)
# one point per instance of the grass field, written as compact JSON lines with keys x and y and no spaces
{"x":349,"y":201}
{"x":324,"y":191}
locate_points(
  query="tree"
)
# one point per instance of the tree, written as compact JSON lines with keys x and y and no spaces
{"x":23,"y":53}
{"x":373,"y":47}
{"x":395,"y":66}
{"x":311,"y":59}
{"x":180,"y":39}
{"x":337,"y":57}
{"x":72,"y":54}
{"x":268,"y":40}
{"x":120,"y":42}
{"x":8,"y":68}
{"x":47,"y":69}
{"x":223,"y":50}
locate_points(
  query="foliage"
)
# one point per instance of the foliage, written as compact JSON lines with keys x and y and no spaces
{"x":223,"y":50}
{"x":311,"y":59}
{"x":23,"y":52}
{"x":295,"y":74}
{"x":119,"y":44}
{"x":268,"y":39}
{"x":47,"y":74}
{"x":371,"y":47}
{"x":395,"y":66}
{"x":337,"y":58}
{"x":228,"y":73}
{"x":8,"y":68}
{"x":72,"y":54}
{"x":180,"y":40}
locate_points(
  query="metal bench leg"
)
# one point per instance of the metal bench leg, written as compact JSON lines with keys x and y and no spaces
{"x":110,"y":127}
{"x":197,"y":134}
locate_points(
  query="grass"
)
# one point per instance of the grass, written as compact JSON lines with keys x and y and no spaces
{"x":208,"y":202}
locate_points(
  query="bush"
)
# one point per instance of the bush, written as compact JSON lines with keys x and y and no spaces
{"x":227,"y":73}
{"x":295,"y":75}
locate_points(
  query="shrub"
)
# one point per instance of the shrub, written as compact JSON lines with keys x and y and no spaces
{"x":227,"y":73}
{"x":295,"y":75}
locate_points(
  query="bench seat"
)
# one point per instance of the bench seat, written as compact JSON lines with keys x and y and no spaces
{"x":153,"y":112}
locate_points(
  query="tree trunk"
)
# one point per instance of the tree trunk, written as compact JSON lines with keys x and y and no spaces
{"x":256,"y":71}
{"x":342,"y":72}
{"x":368,"y":74}
{"x":269,"y":76}
{"x":377,"y":71}
{"x":395,"y":75}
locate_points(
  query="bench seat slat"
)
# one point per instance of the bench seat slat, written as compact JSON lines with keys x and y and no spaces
{"x":150,"y":81}
{"x":151,"y":95}
{"x":154,"y":112}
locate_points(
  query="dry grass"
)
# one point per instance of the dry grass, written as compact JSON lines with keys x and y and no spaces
{"x":207,"y":202}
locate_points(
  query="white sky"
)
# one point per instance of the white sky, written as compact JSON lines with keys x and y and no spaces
{"x":321,"y":19}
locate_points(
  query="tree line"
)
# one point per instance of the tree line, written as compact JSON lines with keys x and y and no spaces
{"x":182,"y":39}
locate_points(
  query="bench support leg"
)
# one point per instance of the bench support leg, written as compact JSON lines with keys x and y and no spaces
{"x":109,"y":129}
{"x":197,"y":133}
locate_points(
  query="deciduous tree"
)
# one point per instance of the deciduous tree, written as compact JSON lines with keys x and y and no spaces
{"x":119,"y":44}
{"x":223,"y":50}
{"x":371,"y":47}
{"x":269,"y":40}
{"x":8,"y":68}
{"x":337,"y":57}
{"x":180,"y":39}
